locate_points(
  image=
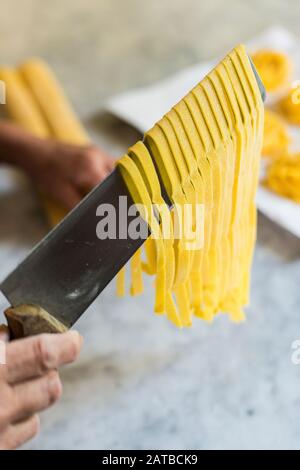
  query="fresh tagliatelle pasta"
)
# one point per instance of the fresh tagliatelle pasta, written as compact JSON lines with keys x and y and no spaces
{"x":276,"y":137}
{"x":283,"y":176}
{"x":61,"y":120}
{"x":274,"y":68}
{"x":206,"y":150}
{"x":289,"y":105}
{"x":281,"y":167}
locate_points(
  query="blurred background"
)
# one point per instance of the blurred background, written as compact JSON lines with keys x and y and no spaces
{"x":140,"y":383}
{"x":101,"y":47}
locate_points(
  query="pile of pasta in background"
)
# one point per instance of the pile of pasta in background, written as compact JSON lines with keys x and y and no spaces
{"x":282,"y":115}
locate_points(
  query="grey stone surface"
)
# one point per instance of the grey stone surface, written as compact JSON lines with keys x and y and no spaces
{"x":140,"y":383}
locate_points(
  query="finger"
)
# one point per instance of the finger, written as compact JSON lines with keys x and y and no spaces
{"x":36,"y":395}
{"x":32,"y":357}
{"x":18,"y":434}
{"x":89,"y":183}
{"x":91,"y":175}
{"x":4,"y":333}
{"x":93,"y":165}
{"x":110,"y":164}
{"x":108,"y":160}
{"x":62,"y":192}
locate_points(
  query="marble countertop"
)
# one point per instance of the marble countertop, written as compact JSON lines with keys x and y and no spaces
{"x":140,"y":383}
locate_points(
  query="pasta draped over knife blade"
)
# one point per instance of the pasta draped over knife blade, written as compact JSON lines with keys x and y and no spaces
{"x":207,"y":151}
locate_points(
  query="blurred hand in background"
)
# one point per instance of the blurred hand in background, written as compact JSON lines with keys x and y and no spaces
{"x":63,"y":171}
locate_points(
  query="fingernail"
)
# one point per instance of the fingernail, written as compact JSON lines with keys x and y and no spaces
{"x":76,"y":335}
{"x":4,"y":333}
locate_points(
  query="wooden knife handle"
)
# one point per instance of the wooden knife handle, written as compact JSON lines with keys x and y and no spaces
{"x":29,"y":320}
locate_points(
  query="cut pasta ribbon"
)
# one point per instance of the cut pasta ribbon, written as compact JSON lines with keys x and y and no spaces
{"x":140,"y":195}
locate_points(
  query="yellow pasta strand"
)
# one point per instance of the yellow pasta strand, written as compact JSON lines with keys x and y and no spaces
{"x":120,"y":282}
{"x":138,"y":191}
{"x":20,"y":105}
{"x":136,"y":274}
{"x":53,"y":103}
{"x":276,"y":138}
{"x":143,"y":161}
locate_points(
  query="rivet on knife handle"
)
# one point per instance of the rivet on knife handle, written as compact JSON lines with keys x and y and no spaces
{"x":29,"y":320}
